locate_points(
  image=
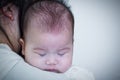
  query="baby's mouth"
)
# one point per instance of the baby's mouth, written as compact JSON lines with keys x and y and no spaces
{"x":53,"y":70}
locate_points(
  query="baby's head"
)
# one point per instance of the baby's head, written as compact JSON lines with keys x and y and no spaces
{"x":48,"y":36}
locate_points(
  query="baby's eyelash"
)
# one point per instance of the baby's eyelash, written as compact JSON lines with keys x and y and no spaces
{"x":42,"y":55}
{"x":61,"y":54}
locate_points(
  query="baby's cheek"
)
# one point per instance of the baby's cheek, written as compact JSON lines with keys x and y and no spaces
{"x":67,"y":64}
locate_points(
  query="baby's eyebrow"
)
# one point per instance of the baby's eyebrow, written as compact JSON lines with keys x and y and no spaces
{"x":66,"y":48}
{"x":38,"y":49}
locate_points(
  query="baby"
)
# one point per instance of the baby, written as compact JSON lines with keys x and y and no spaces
{"x":47,"y":41}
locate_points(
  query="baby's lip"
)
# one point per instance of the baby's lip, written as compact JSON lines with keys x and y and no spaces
{"x":52,"y":70}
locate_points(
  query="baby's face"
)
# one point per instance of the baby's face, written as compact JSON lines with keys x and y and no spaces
{"x":49,"y":51}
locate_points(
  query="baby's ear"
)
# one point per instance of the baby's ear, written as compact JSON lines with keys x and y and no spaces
{"x":23,"y":45}
{"x":7,"y":12}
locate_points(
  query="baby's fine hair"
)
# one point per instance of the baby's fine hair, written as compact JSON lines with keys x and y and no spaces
{"x":51,"y":15}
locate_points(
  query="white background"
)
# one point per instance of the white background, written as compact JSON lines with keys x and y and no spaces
{"x":97,"y":37}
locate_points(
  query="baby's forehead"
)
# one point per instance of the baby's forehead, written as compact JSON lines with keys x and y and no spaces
{"x":42,"y":26}
{"x":55,"y":31}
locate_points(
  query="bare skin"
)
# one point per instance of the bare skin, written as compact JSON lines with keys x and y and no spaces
{"x":9,"y":30}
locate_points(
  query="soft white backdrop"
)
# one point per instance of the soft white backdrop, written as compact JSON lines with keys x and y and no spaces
{"x":97,"y":37}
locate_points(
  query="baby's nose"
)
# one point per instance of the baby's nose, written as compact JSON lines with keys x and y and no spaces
{"x":52,"y":60}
